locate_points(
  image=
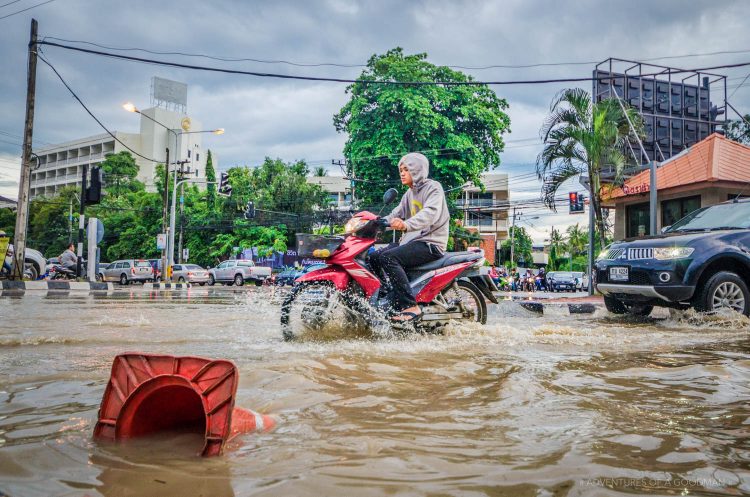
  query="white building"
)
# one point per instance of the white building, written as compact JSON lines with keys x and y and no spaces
{"x":339,"y":189}
{"x":62,"y":164}
{"x":8,"y":203}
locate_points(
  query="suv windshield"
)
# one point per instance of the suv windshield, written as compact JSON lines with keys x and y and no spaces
{"x":142,"y":264}
{"x":721,"y":216}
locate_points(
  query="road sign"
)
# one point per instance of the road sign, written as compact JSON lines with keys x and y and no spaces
{"x":186,"y":254}
{"x":161,"y":241}
{"x":99,"y":230}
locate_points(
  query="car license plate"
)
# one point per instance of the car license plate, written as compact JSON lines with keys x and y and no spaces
{"x":618,"y":274}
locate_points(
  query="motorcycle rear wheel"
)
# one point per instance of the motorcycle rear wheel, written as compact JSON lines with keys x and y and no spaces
{"x":467,"y":299}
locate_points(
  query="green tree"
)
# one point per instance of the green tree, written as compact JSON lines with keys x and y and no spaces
{"x":739,"y":130}
{"x":120,"y":171}
{"x":320,"y":172}
{"x":49,"y":227}
{"x":522,"y":244}
{"x":211,"y":179}
{"x":577,"y":239}
{"x":556,"y":249}
{"x":583,"y":137}
{"x":458,"y":127}
{"x":8,"y":221}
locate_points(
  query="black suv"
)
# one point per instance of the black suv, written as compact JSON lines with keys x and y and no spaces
{"x":703,"y":261}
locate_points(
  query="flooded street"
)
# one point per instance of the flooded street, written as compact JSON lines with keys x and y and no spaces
{"x":528,"y":405}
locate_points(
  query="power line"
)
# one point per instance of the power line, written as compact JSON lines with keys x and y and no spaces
{"x":9,"y":3}
{"x":366,"y":81}
{"x":91,"y":113}
{"x":24,"y":10}
{"x":335,"y":64}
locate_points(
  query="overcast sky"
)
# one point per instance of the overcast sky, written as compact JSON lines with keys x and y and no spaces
{"x":293,"y":119}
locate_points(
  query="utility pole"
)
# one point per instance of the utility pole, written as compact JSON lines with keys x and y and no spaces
{"x":164,"y":214}
{"x":70,"y":222}
{"x":24,"y":185}
{"x":81,"y":224}
{"x":342,"y":164}
{"x":512,"y":238}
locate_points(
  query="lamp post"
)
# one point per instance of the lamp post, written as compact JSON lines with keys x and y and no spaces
{"x":132,"y":108}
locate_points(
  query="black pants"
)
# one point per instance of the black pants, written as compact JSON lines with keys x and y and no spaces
{"x":394,"y":259}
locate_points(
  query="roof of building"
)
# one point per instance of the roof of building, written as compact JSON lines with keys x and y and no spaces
{"x":713,"y":159}
{"x":7,"y":200}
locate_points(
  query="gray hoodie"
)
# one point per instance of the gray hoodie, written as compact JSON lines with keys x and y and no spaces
{"x":423,"y":207}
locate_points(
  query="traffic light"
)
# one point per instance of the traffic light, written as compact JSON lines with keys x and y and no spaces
{"x":94,"y":190}
{"x":576,"y":202}
{"x":250,"y":210}
{"x":224,"y":187}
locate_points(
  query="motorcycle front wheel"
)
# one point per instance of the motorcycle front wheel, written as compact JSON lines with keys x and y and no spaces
{"x":313,"y":310}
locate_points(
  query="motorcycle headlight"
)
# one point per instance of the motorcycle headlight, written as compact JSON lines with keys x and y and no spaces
{"x":353,"y":225}
{"x":666,"y":253}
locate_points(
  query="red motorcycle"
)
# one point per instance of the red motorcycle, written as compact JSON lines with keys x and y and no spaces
{"x":347,"y":293}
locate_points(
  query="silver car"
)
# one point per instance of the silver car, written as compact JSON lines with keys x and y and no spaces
{"x":128,"y":270}
{"x":191,"y":273}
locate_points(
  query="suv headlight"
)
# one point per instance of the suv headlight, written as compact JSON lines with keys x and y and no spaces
{"x":353,"y":225}
{"x":666,"y":253}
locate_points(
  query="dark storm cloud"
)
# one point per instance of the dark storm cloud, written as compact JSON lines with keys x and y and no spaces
{"x":293,"y":120}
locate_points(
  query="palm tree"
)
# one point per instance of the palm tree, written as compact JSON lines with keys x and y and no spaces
{"x":581,"y":136}
{"x":577,"y":239}
{"x":320,"y":171}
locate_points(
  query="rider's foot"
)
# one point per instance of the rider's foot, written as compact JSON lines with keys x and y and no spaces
{"x":406,"y":315}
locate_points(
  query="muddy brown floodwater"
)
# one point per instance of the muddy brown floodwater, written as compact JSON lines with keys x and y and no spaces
{"x":525,"y":406}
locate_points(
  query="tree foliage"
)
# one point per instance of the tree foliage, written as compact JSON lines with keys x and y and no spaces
{"x":522,"y":245}
{"x":584,"y":137}
{"x":739,"y":130}
{"x":132,"y":216}
{"x":458,"y":127}
{"x":8,"y":221}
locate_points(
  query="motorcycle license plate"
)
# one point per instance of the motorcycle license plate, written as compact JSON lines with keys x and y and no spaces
{"x":618,"y":274}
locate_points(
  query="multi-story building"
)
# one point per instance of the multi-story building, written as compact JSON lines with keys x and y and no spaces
{"x":487,"y":211}
{"x":62,"y":164}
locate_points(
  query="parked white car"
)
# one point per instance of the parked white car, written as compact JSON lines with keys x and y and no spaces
{"x":238,"y":272}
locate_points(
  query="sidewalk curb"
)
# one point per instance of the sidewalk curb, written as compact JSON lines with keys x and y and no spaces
{"x":572,"y":308}
{"x":162,"y":286}
{"x":55,"y":285}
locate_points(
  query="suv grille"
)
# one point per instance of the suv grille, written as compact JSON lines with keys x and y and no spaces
{"x":614,"y":253}
{"x":635,"y":254}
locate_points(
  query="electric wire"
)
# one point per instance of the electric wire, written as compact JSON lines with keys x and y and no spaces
{"x":91,"y":113}
{"x":24,"y":10}
{"x":470,"y":82}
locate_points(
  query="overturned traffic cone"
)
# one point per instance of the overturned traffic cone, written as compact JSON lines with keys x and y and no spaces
{"x":149,"y":393}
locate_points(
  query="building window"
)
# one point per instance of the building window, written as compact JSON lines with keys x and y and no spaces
{"x":482,"y":219}
{"x":637,"y":221}
{"x":479,"y":199}
{"x":675,"y":209}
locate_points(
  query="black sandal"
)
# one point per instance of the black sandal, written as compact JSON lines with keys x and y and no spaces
{"x":413,"y":317}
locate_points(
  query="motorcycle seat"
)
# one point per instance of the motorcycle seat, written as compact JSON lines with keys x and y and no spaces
{"x":448,"y":259}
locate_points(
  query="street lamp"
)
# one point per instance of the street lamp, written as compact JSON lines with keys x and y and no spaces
{"x":168,"y":254}
{"x":130,"y":107}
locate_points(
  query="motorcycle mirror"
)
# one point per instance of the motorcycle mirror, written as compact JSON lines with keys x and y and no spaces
{"x":390,"y":195}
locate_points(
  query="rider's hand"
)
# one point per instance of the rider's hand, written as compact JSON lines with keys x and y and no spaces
{"x":398,"y":224}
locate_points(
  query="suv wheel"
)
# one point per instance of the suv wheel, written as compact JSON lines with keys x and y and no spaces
{"x":239,"y":280}
{"x":123,"y":279}
{"x":724,"y":290}
{"x":614,"y":306}
{"x":211,"y":280}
